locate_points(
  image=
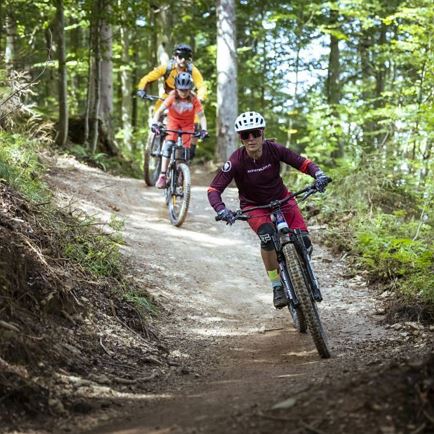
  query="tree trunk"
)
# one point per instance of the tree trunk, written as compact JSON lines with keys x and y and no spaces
{"x":227,"y":101}
{"x":11,"y":33}
{"x":333,"y":85}
{"x":106,"y":80}
{"x":368,"y":127}
{"x":63,"y":100}
{"x":333,"y":91}
{"x":94,"y":94}
{"x":126,"y":88}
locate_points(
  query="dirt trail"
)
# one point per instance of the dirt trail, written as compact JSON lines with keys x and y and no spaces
{"x":242,"y":356}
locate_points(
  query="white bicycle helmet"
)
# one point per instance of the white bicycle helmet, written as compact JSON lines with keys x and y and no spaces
{"x":249,"y":121}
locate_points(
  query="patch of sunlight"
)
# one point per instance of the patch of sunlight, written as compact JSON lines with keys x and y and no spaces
{"x":186,"y":234}
{"x":107,"y":392}
{"x":301,"y":354}
{"x":200,"y":188}
{"x":212,"y":319}
{"x":241,"y":380}
{"x":226,"y":332}
{"x":289,"y":375}
{"x":88,"y":388}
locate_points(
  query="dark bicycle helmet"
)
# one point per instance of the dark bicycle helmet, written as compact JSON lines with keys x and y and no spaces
{"x":184,"y":81}
{"x":183,"y":49}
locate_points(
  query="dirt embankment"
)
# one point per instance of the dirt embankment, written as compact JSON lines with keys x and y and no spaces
{"x":233,"y":363}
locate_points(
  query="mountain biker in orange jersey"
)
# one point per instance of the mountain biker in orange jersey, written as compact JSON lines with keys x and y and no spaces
{"x":255,"y":167}
{"x":182,"y":105}
{"x":180,"y":62}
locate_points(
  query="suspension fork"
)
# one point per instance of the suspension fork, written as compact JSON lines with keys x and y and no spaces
{"x":301,"y":248}
{"x":172,"y":169}
{"x":283,"y":271}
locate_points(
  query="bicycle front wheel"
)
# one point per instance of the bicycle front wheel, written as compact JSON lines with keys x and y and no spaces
{"x":298,"y":318}
{"x":180,"y":197}
{"x":307,"y":303}
{"x":152,"y":159}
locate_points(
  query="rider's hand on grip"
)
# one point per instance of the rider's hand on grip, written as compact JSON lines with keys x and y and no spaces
{"x":227,"y":215}
{"x":321,"y":181}
{"x":156,"y":128}
{"x":141,"y":93}
{"x":203,"y":134}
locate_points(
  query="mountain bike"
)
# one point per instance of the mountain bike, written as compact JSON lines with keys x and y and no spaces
{"x":152,"y":151}
{"x":178,"y":186}
{"x":296,"y":272}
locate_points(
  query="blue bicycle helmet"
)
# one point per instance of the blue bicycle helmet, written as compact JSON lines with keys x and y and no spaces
{"x":184,"y":81}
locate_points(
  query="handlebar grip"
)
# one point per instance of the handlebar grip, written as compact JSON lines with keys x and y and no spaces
{"x":218,"y":218}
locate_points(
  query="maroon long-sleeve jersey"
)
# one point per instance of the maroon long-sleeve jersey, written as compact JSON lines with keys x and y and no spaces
{"x":258,"y":181}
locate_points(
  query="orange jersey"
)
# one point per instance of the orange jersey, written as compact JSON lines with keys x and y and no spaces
{"x":182,"y":109}
{"x":181,"y":113}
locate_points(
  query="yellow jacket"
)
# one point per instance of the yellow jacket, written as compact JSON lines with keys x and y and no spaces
{"x":169,"y":84}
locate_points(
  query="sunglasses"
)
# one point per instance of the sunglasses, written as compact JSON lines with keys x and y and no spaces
{"x":183,"y":56}
{"x":244,"y":135}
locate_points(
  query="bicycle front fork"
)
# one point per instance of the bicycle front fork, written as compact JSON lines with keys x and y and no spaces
{"x":284,"y":277}
{"x":301,"y":248}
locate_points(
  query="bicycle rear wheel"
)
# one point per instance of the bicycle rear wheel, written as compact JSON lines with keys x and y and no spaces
{"x":307,"y":303}
{"x":180,"y":198}
{"x":152,"y":159}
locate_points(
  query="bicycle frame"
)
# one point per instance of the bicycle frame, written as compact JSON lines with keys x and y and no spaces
{"x":174,"y":154}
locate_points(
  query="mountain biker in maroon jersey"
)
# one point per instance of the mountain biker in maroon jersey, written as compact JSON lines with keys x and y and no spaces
{"x":180,"y":62}
{"x":255,"y":169}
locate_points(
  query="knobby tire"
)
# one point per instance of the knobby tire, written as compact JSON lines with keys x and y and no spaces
{"x":308,"y":305}
{"x":180,"y":199}
{"x":298,"y":318}
{"x":152,"y":163}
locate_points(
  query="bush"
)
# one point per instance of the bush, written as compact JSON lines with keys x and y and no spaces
{"x":382,"y":217}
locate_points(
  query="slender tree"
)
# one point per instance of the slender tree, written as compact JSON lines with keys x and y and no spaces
{"x":106,"y":76}
{"x":227,"y":102}
{"x":11,"y":34}
{"x":61,"y":57}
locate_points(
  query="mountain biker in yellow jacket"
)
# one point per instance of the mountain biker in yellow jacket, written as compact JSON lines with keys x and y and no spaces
{"x":180,"y":62}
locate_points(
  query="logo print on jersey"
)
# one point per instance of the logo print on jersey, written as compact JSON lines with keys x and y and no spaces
{"x":227,"y":166}
{"x":183,"y":106}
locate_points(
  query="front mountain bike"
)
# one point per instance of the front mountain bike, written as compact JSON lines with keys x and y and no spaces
{"x":296,"y":272}
{"x":178,"y":186}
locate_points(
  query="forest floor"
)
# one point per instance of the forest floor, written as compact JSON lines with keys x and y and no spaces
{"x":234,"y":363}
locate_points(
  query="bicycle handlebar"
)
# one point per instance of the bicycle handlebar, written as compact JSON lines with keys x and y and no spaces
{"x":179,"y":132}
{"x":306,"y":192}
{"x":151,"y":97}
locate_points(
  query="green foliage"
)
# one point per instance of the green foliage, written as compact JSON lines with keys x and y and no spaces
{"x":97,"y":251}
{"x":385,"y":221}
{"x":141,"y":301}
{"x":127,"y":163}
{"x":390,"y":253}
{"x":20,"y":167}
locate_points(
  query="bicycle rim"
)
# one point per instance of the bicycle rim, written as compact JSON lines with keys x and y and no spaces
{"x":152,"y":160}
{"x":307,"y":304}
{"x":180,"y":198}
